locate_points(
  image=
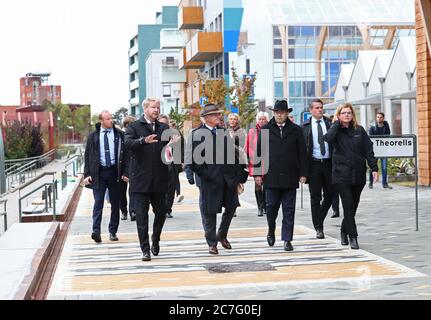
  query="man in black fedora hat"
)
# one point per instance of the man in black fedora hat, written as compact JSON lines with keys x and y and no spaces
{"x":286,"y":167}
{"x":218,"y":176}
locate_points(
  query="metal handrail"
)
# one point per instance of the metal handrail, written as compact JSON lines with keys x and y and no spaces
{"x":51,"y":173}
{"x":47,"y":154}
{"x":45,"y":185}
{"x":4,"y":213}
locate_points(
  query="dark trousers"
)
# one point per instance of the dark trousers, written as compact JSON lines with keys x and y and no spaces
{"x":177,"y":183}
{"x":350,"y":196}
{"x":287,"y":199}
{"x":260,"y":197}
{"x":172,"y":183}
{"x":335,"y":200}
{"x":141,"y":205}
{"x":107,"y":180}
{"x":320,"y":180}
{"x":209,"y":222}
{"x":123,"y":196}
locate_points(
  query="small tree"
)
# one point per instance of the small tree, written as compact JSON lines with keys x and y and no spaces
{"x":179,"y":117}
{"x":82,"y":121}
{"x":216,"y":91}
{"x":18,"y":140}
{"x":120,"y":114}
{"x":36,"y":147}
{"x":241,"y":97}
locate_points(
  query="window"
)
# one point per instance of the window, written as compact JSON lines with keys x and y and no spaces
{"x":219,"y":69}
{"x":212,"y":72}
{"x":166,"y":90}
{"x":278,"y":89}
{"x":220,"y":20}
{"x":277,"y":41}
{"x":170,"y":60}
{"x":278,"y":53}
{"x":276,"y":32}
{"x":212,"y":27}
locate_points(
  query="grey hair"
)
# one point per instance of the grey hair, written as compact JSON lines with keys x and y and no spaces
{"x":147,"y":101}
{"x":262,"y":114}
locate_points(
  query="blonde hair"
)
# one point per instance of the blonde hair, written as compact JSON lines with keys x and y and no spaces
{"x":236,"y":115}
{"x":348,"y":106}
{"x":262,"y":114}
{"x":128,"y":120}
{"x":102,"y":113}
{"x":147,"y":102}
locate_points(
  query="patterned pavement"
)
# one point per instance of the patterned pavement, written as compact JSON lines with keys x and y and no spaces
{"x":316,"y":269}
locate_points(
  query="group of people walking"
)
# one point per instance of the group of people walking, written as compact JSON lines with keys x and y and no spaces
{"x":331,"y":156}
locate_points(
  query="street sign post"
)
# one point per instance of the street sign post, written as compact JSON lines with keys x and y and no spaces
{"x":305,"y":116}
{"x":403,"y":146}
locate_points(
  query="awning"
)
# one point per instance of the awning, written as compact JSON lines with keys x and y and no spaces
{"x":333,"y":105}
{"x":409,"y":95}
{"x":373,"y":99}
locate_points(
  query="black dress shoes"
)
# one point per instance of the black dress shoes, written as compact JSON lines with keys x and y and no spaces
{"x":336,"y":214}
{"x":124,"y":216}
{"x":225,"y":244}
{"x":288,"y":246}
{"x":354,"y":243}
{"x":213,"y":250}
{"x":344,"y":239}
{"x":320,"y":234}
{"x":96,"y":237}
{"x":132,"y":216}
{"x":168,"y":215}
{"x":146,"y":256}
{"x":260,"y":213}
{"x":155,"y":249}
{"x":271,"y":240}
{"x":113,"y":237}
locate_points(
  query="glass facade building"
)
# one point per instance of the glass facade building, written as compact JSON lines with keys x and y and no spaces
{"x":314,"y":56}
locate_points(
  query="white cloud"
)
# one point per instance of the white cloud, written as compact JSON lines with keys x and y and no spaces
{"x":82,"y":43}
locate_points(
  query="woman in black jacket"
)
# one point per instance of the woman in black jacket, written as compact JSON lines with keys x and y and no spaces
{"x":352,"y":148}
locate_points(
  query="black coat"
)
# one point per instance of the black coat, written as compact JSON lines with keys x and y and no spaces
{"x":148,"y":173}
{"x":287,"y":155}
{"x":308,"y":136}
{"x":386,"y":130}
{"x":217,"y":181}
{"x":92,"y":156}
{"x":352,"y":149}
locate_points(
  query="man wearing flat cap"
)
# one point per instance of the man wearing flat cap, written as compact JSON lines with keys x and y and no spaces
{"x":211,"y":156}
{"x":287,"y":166}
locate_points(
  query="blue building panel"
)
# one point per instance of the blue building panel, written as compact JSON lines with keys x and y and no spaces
{"x":232,"y":4}
{"x":230,"y":40}
{"x":232,"y":18}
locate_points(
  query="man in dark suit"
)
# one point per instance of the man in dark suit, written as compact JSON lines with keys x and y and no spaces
{"x":149,"y":174}
{"x":104,"y":168}
{"x":219,"y":173}
{"x":319,"y":155}
{"x":284,"y":144}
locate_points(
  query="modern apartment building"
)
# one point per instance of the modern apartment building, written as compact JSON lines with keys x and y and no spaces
{"x":146,"y":39}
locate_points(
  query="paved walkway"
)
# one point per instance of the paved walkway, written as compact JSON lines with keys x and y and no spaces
{"x":394,"y":261}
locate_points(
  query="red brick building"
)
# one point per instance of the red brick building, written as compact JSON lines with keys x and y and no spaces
{"x":34,"y":90}
{"x":423,"y":98}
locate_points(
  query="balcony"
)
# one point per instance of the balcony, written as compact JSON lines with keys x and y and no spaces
{"x":184,"y":64}
{"x":190,"y":17}
{"x":172,"y":39}
{"x":134,"y":84}
{"x":134,"y":67}
{"x":170,"y":72}
{"x":134,"y":101}
{"x":133,"y":50}
{"x":204,"y":46}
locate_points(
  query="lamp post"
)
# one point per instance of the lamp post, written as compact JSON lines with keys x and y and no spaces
{"x":382,"y":94}
{"x":409,"y":76}
{"x":367,"y":109}
{"x":345,"y":88}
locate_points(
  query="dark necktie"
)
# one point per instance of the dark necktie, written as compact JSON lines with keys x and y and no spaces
{"x":152,"y":126}
{"x":214,"y":130}
{"x":281,"y":130}
{"x":107,"y":152}
{"x":320,"y":138}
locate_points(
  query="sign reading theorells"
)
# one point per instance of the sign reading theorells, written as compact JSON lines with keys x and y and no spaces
{"x":394,"y":147}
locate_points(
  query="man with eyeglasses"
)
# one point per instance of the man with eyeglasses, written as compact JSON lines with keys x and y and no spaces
{"x":319,"y":155}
